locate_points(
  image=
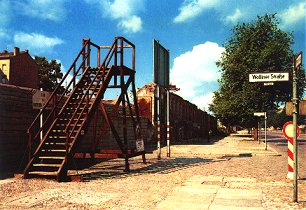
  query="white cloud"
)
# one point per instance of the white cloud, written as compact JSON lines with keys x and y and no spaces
{"x":234,"y":17}
{"x":230,"y":12}
{"x":293,"y":15}
{"x":195,"y":69}
{"x":131,"y":24}
{"x":36,"y":43}
{"x":203,"y":101}
{"x":43,"y":9}
{"x":193,"y":8}
{"x":124,"y":11}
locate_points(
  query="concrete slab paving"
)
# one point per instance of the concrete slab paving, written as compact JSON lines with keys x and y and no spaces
{"x":171,"y":205}
{"x":238,"y":202}
{"x":238,"y":179}
{"x":198,"y":192}
{"x":223,"y":207}
{"x":232,"y":194}
{"x":205,"y":199}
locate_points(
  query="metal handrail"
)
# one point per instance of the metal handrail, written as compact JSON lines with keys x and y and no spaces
{"x":57,"y":101}
{"x":85,"y":55}
{"x":112,"y":50}
{"x":57,"y":88}
{"x":102,"y":68}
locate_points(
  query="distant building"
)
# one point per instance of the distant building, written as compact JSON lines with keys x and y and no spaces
{"x":18,"y":68}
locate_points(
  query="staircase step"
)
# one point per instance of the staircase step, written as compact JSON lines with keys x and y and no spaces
{"x":52,"y":157}
{"x":57,"y":143}
{"x":53,"y":150}
{"x":47,"y":165}
{"x":74,"y":108}
{"x":72,"y":111}
{"x":43,"y":173}
{"x":61,"y":131}
{"x":57,"y":137}
{"x":65,"y":124}
{"x":67,"y":119}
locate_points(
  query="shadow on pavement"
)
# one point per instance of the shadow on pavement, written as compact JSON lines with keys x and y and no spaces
{"x":199,"y":141}
{"x":115,"y":168}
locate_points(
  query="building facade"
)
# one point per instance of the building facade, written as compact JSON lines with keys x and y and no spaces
{"x":18,"y":68}
{"x":186,"y":120}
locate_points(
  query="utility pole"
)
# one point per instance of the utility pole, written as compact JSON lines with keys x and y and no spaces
{"x":295,"y":110}
{"x":296,"y":63}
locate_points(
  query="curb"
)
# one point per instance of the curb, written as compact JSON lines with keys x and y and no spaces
{"x":274,"y":150}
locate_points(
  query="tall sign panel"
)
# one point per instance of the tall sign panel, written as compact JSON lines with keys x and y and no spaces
{"x":161,"y":64}
{"x":161,"y":68}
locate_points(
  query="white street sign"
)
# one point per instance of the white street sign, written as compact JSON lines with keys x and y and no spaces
{"x":268,"y":83}
{"x":269,"y":77}
{"x":259,"y":114}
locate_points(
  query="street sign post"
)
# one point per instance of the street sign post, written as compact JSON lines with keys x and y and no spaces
{"x":161,"y":69}
{"x":39,"y":100}
{"x":263,"y":114}
{"x":297,"y":62}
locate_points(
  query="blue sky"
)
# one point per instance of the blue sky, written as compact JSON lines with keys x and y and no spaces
{"x":192,"y":30}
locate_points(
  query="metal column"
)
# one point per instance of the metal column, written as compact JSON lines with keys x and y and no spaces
{"x":158,"y":122}
{"x":168,"y":123}
{"x":295,"y":145}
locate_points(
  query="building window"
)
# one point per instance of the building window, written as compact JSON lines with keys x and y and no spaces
{"x":4,"y":68}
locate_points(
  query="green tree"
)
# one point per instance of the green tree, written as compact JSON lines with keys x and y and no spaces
{"x":49,"y":73}
{"x":258,"y":46}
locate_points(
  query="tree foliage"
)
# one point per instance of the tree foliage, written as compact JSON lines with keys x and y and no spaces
{"x":259,"y":46}
{"x":49,"y":73}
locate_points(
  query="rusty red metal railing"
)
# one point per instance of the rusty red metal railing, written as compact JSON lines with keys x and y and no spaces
{"x":58,"y":97}
{"x":74,"y":106}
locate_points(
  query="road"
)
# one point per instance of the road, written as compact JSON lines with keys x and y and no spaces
{"x":276,"y":140}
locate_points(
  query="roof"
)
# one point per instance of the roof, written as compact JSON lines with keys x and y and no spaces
{"x":150,"y":86}
{"x":6,"y":54}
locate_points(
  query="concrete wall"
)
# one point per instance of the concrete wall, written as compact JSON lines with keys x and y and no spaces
{"x":16,"y":114}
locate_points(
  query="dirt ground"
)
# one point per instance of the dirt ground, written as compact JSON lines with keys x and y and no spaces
{"x":106,"y":186}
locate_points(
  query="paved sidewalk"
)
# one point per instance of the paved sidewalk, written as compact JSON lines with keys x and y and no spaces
{"x":228,"y":146}
{"x":213,"y":192}
{"x":219,"y":192}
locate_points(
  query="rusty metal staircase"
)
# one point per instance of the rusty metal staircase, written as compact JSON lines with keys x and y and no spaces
{"x":68,"y":112}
